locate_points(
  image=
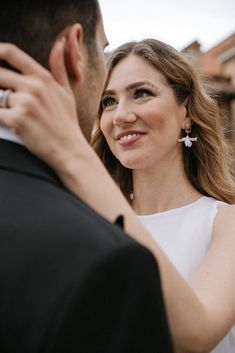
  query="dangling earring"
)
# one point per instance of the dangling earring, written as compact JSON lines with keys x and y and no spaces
{"x":188,"y":141}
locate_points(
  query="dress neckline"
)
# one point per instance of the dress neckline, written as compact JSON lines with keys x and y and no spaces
{"x":174,"y":210}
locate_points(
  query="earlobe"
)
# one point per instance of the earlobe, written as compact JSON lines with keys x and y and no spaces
{"x":74,"y":54}
{"x":187,"y":122}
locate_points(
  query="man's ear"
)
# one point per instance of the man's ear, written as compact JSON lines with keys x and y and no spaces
{"x":75,"y":52}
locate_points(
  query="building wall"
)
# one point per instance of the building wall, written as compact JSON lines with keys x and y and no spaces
{"x":233,"y":125}
{"x":228,"y":69}
{"x":217,"y":65}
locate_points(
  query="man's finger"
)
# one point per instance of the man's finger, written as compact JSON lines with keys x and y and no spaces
{"x":7,"y":117}
{"x":11,"y":79}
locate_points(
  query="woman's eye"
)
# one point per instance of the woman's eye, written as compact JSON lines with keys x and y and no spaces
{"x":107,"y":102}
{"x":140,"y":93}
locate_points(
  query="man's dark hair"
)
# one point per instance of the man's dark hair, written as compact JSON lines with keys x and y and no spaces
{"x":33,"y":25}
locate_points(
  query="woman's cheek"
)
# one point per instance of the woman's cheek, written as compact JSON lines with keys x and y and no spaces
{"x":105,"y":123}
{"x":102,"y":127}
{"x":156,"y":120}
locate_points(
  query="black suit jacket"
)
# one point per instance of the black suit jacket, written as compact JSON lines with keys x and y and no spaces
{"x":69,"y":280}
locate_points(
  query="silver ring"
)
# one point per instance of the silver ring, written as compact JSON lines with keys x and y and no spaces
{"x":4,"y":97}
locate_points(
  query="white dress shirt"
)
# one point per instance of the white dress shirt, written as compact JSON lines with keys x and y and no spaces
{"x":7,"y":134}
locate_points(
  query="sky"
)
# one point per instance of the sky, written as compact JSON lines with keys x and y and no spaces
{"x":176,"y":22}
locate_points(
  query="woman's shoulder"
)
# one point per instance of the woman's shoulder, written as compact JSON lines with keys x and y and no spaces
{"x":224,"y":224}
{"x":226,"y":210}
{"x":208,"y":206}
{"x":213,"y":201}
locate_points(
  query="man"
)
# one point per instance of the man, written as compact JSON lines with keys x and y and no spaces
{"x":70,"y":280}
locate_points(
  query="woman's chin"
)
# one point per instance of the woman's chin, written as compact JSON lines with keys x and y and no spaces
{"x":132,"y":163}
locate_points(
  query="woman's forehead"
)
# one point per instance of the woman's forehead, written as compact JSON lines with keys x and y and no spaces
{"x":134,"y":69}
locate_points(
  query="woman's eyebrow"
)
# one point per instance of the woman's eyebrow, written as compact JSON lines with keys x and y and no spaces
{"x":109,"y":92}
{"x":138,"y":84}
{"x":130,"y":87}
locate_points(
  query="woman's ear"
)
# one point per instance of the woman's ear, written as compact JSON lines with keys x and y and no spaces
{"x":75,"y":52}
{"x":186,"y":122}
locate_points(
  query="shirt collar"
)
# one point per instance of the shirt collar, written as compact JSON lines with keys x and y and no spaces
{"x":7,"y":134}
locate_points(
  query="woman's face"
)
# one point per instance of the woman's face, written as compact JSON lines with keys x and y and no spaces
{"x":141,"y":119}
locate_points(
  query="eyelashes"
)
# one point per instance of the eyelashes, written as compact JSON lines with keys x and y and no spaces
{"x":142,"y":92}
{"x":108,"y":102}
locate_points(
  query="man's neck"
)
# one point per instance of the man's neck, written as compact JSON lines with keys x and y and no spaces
{"x":7,"y":134}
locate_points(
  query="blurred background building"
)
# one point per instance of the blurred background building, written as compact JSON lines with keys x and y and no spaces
{"x":217,"y":66}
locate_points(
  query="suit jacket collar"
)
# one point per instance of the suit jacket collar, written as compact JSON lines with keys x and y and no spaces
{"x":18,"y":159}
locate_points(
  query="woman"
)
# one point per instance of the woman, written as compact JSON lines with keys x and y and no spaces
{"x":160,"y":136}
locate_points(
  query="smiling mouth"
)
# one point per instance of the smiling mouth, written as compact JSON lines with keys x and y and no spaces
{"x":126,"y":139}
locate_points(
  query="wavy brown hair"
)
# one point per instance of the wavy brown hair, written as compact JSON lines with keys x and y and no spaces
{"x":208,"y":163}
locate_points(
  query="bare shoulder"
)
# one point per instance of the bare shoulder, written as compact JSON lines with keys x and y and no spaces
{"x":213,"y":280}
{"x":224,"y":223}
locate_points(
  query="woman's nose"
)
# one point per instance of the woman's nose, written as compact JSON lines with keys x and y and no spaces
{"x":123,"y":115}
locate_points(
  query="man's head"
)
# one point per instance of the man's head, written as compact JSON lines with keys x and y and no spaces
{"x":34,"y":26}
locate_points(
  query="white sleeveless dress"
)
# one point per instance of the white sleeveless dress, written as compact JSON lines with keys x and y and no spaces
{"x":185,"y":235}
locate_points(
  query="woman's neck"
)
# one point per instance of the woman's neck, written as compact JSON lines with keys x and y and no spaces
{"x":162,"y":188}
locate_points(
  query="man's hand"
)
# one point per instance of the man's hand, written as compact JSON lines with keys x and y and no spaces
{"x":41,"y":108}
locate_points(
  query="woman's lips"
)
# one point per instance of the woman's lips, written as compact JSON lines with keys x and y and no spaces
{"x":129,"y":137}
